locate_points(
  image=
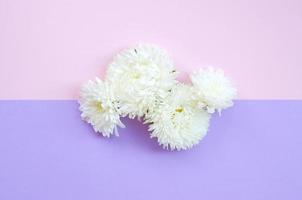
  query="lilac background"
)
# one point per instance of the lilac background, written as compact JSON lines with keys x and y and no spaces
{"x":254,"y":151}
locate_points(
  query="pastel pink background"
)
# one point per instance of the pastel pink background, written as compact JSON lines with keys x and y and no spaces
{"x":49,"y":48}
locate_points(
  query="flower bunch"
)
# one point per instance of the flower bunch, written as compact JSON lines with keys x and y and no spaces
{"x":141,"y":82}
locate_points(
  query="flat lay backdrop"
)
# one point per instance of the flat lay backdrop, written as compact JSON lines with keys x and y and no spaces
{"x":48,"y":48}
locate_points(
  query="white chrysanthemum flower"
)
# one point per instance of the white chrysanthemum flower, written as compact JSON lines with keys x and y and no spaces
{"x":212,"y":89}
{"x":176,"y":123}
{"x":139,"y":77}
{"x":99,"y":107}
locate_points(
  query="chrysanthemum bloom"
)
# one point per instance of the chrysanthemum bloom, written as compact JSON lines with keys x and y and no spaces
{"x":99,"y":107}
{"x":176,"y":123}
{"x":212,"y":89}
{"x":139,"y":77}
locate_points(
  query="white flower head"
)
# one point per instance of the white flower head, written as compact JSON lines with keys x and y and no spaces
{"x":139,"y":77}
{"x":176,"y":123}
{"x":99,"y":108}
{"x":212,"y":89}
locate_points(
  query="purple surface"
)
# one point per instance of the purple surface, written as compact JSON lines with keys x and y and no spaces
{"x":254,"y":151}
